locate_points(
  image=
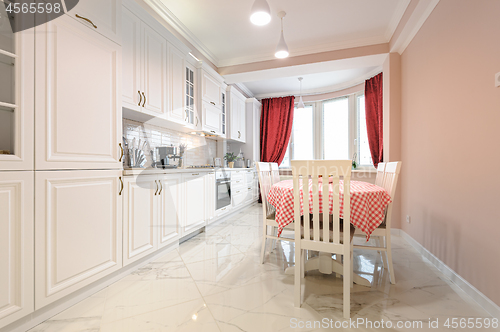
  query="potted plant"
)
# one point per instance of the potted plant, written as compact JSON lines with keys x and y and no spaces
{"x":230,"y":158}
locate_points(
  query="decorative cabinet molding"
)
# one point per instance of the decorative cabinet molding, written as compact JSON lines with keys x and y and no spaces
{"x":169,"y":209}
{"x":237,"y":117}
{"x":78,"y":238}
{"x":77,"y":98}
{"x":16,"y":246}
{"x":193,"y":201}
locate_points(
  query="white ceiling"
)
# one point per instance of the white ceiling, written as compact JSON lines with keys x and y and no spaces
{"x":310,"y":26}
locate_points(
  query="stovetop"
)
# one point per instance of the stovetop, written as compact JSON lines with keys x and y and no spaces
{"x":200,"y":166}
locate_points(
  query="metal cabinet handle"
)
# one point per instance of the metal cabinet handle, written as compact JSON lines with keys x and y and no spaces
{"x":156,"y":183}
{"x":197,"y":121}
{"x":187,"y":115}
{"x":121,"y":188}
{"x":239,"y":134}
{"x":140,"y":98}
{"x":121,"y":155}
{"x":212,"y":103}
{"x":161,"y":187}
{"x":194,"y":174}
{"x":144,"y":103}
{"x":86,"y":19}
{"x":212,"y":131}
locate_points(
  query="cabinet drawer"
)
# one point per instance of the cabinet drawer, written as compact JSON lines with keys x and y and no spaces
{"x":239,"y":196}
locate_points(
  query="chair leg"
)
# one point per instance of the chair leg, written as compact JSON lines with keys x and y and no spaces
{"x":389,"y":258}
{"x":275,"y":243}
{"x":338,"y":259}
{"x":263,"y":250}
{"x":297,"y":274}
{"x":347,"y":287}
{"x":303,"y":265}
{"x":381,"y":242}
{"x":352,"y":264}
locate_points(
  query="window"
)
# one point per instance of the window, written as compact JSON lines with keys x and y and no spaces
{"x":330,"y":129}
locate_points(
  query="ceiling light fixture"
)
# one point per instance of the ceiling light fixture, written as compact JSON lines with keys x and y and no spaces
{"x":282,"y":48}
{"x":301,"y":105}
{"x":261,"y":13}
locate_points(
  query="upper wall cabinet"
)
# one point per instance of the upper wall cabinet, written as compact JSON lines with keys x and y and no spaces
{"x":77,"y":98}
{"x":16,"y":96}
{"x":144,"y":67}
{"x":237,"y":118}
{"x":211,"y":91}
{"x":177,"y":81}
{"x":103,"y":16}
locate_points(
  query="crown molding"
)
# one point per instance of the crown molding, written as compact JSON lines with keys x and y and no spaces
{"x":396,"y":18}
{"x":244,"y":88}
{"x":422,"y":11}
{"x":173,"y":21}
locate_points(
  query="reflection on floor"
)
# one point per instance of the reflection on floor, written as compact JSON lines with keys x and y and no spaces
{"x":214,"y":282}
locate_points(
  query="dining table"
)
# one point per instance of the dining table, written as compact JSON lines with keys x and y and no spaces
{"x":368,"y":204}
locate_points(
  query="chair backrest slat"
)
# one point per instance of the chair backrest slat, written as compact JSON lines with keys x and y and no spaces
{"x":392,"y":171}
{"x":320,"y":171}
{"x":379,"y":180}
{"x":275,"y":173}
{"x":265,"y":183}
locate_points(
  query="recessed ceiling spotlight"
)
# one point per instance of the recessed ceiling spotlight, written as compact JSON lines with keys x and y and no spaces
{"x":282,"y":48}
{"x":261,"y":13}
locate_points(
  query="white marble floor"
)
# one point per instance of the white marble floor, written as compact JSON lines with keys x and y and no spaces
{"x":214,"y":282}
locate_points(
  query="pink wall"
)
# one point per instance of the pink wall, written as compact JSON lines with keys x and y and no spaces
{"x":450,"y":139}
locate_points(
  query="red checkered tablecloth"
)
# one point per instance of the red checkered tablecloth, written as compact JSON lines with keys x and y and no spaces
{"x":368,"y":203}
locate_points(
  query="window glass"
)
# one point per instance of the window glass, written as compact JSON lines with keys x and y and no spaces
{"x":336,"y":129}
{"x":303,"y":138}
{"x":364,"y":154}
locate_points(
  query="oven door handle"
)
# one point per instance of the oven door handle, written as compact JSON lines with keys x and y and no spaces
{"x":221,"y":182}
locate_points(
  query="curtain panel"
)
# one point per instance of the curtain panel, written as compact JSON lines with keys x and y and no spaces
{"x":374,"y":117}
{"x":275,"y":128}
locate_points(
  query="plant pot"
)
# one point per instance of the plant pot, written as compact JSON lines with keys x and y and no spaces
{"x":231,"y":164}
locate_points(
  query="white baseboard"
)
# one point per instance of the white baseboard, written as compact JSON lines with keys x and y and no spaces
{"x":491,"y":307}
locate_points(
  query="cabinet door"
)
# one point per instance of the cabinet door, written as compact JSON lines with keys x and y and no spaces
{"x":194,"y":198}
{"x":140,"y":217}
{"x":211,"y":90}
{"x":78,"y":232}
{"x":169,"y":209}
{"x":131,"y":60}
{"x":210,"y":197}
{"x":16,"y":246}
{"x":241,"y":121}
{"x":176,"y":87}
{"x":155,"y":72}
{"x":212,"y":118}
{"x":77,"y":98}
{"x":105,"y":16}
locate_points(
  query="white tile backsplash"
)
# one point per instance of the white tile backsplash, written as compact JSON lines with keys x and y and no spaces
{"x":200,"y":150}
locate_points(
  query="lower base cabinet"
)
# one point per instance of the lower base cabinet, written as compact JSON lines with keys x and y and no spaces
{"x":78,"y":232}
{"x":194,"y":202}
{"x":169,"y":209}
{"x":16,"y":246}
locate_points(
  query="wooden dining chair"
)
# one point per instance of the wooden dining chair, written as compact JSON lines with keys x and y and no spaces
{"x":383,"y":232}
{"x":269,"y":224}
{"x":275,"y":173}
{"x":323,"y":233}
{"x":379,"y":180}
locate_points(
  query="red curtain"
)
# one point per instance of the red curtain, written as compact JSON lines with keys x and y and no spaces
{"x":374,"y":117}
{"x":276,"y":122}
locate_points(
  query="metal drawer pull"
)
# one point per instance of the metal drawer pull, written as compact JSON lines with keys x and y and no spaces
{"x":239,"y":134}
{"x":156,"y":183}
{"x":86,"y":19}
{"x":121,"y":188}
{"x":161,"y":187}
{"x":194,"y":174}
{"x":212,"y":103}
{"x":140,"y":98}
{"x":143,"y":104}
{"x":121,"y":155}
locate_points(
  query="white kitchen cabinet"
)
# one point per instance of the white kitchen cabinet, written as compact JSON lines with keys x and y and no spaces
{"x":211,"y":118}
{"x":140,"y":217}
{"x":101,"y":16}
{"x":77,"y":98}
{"x":251,"y":149}
{"x":210,"y":197}
{"x":144,"y":67}
{"x":194,"y":201}
{"x":177,"y":81}
{"x":16,"y":246}
{"x":169,"y":209}
{"x":237,"y":118}
{"x":78,"y":233}
{"x":16,"y":96}
{"x":210,"y":89}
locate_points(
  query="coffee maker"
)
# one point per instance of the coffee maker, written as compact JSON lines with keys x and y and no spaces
{"x":166,"y":157}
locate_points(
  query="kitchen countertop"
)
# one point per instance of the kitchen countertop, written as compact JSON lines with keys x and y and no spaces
{"x":151,"y":171}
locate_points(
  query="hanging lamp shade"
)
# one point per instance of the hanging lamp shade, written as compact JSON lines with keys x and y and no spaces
{"x":282,"y":48}
{"x":301,"y":105}
{"x":261,"y":13}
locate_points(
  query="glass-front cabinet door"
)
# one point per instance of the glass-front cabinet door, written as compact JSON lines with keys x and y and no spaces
{"x":16,"y":95}
{"x":191,"y":117}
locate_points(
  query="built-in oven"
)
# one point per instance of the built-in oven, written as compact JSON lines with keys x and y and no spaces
{"x":222,"y":189}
